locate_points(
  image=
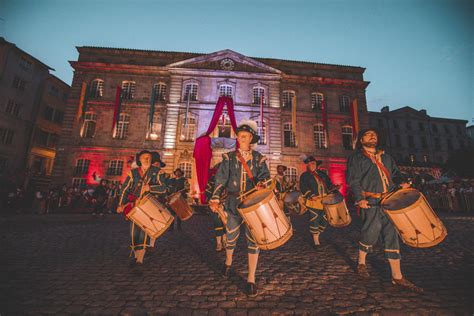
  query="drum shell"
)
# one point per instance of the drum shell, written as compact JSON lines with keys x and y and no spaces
{"x":336,"y":211}
{"x":180,"y":206}
{"x":151,"y":216}
{"x":267,"y":223}
{"x":418,"y":217}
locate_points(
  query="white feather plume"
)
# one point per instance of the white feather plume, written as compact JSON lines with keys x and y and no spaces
{"x":303,"y":157}
{"x":252,"y":124}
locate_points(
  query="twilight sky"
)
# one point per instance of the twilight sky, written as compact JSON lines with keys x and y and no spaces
{"x":418,"y":53}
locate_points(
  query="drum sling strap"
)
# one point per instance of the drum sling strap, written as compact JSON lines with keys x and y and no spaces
{"x":246,"y":167}
{"x":320,"y":182}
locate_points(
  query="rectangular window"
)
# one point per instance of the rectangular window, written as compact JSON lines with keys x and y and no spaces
{"x":187,"y":168}
{"x":434,"y":128}
{"x":437,"y":143}
{"x":54,"y":91}
{"x":18,"y":83}
{"x":3,"y":165}
{"x":9,"y":107}
{"x":97,"y":88}
{"x":347,"y":137}
{"x":424,"y":143}
{"x":421,"y":126}
{"x":319,"y":136}
{"x":408,"y":125}
{"x":78,"y":183}
{"x":258,"y":94}
{"x":395,"y":124}
{"x":288,"y":99}
{"x":446,"y":129}
{"x":262,"y":132}
{"x":121,"y":127}
{"x":380,"y":122}
{"x":344,"y":104}
{"x":6,"y":136}
{"x":411,"y":142}
{"x":154,"y":131}
{"x":190,"y":92}
{"x":48,"y":113}
{"x":82,"y":166}
{"x":449,"y":142}
{"x":288,"y":136}
{"x":115,"y":168}
{"x":128,"y":90}
{"x":159,"y":90}
{"x":188,"y":132}
{"x":291,"y":174}
{"x":26,"y":65}
{"x":398,"y":141}
{"x":88,"y":127}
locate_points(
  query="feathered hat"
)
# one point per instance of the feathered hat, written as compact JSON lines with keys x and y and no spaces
{"x":251,"y":127}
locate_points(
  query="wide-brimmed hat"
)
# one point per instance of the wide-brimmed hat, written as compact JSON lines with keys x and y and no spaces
{"x":156,"y":159}
{"x":251,"y":127}
{"x":137,"y":156}
{"x":308,"y":159}
{"x":282,"y":166}
{"x":361,"y":134}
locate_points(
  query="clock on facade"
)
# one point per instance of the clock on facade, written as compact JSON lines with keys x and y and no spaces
{"x":227,"y":64}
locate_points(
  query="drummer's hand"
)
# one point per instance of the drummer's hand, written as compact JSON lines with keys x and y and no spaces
{"x":260,"y":186}
{"x":314,"y":198}
{"x":363,"y":204}
{"x":214,"y":205}
{"x":146,"y":188}
{"x":405,"y":185}
{"x":120,"y":209}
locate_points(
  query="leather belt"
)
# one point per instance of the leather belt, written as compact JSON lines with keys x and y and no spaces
{"x":372,"y":195}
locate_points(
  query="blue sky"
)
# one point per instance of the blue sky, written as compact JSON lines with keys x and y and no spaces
{"x":417,"y":53}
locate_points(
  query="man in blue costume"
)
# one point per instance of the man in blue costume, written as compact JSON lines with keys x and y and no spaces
{"x":314,"y":184}
{"x":371,"y":173}
{"x":219,"y":228}
{"x":178,"y":183}
{"x":239,"y":172}
{"x":141,"y":181}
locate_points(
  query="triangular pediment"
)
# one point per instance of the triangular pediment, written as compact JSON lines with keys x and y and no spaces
{"x":225,"y":60}
{"x":407,"y":110}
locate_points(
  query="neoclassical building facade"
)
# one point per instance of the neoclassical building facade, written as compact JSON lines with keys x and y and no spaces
{"x":185,"y":89}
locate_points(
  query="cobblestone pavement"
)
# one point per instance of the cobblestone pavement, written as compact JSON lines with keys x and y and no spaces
{"x":78,"y":264}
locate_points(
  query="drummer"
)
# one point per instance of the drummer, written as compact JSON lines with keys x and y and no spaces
{"x":178,"y":183}
{"x":371,"y":173}
{"x":282,"y":185}
{"x":141,"y":181}
{"x":234,"y":177}
{"x":314,"y":183}
{"x":219,"y":228}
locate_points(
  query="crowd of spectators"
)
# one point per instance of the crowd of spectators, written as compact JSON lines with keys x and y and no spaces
{"x":452,"y":196}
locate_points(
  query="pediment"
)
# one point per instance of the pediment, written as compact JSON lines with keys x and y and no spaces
{"x":225,"y":60}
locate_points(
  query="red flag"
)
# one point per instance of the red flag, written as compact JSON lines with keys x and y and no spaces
{"x":117,"y":105}
{"x":262,"y":102}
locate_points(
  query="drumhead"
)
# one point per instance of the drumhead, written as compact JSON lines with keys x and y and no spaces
{"x":292,"y":197}
{"x":401,"y":199}
{"x":333,"y":198}
{"x":255,"y":198}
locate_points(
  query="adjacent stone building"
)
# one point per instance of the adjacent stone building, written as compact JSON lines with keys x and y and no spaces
{"x":416,"y":139}
{"x":91,"y":148}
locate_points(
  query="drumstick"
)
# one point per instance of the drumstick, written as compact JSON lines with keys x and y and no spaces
{"x":251,"y":190}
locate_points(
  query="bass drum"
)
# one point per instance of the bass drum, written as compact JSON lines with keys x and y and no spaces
{"x":295,"y":203}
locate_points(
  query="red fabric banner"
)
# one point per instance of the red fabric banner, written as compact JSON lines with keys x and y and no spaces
{"x":118,"y":100}
{"x":202,"y":147}
{"x":324,"y":118}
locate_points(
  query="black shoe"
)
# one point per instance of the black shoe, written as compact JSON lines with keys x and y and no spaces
{"x":251,"y":289}
{"x":226,"y":271}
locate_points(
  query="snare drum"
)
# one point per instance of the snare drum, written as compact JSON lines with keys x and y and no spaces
{"x":267,"y":223}
{"x":180,"y":206}
{"x":416,"y":222}
{"x":295,"y":202}
{"x":336,"y":210}
{"x":151,"y":216}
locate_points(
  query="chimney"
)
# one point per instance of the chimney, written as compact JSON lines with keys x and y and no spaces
{"x":423,"y":111}
{"x":385,"y":109}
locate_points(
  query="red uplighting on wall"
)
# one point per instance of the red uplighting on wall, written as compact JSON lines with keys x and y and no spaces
{"x":337,"y":174}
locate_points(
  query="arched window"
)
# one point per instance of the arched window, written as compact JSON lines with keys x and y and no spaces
{"x":89,"y":125}
{"x":159,"y":90}
{"x":289,"y":137}
{"x":128,"y":90}
{"x":96,"y":88}
{"x":262,"y":132}
{"x":225,"y":90}
{"x":317,"y":101}
{"x":319,"y":136}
